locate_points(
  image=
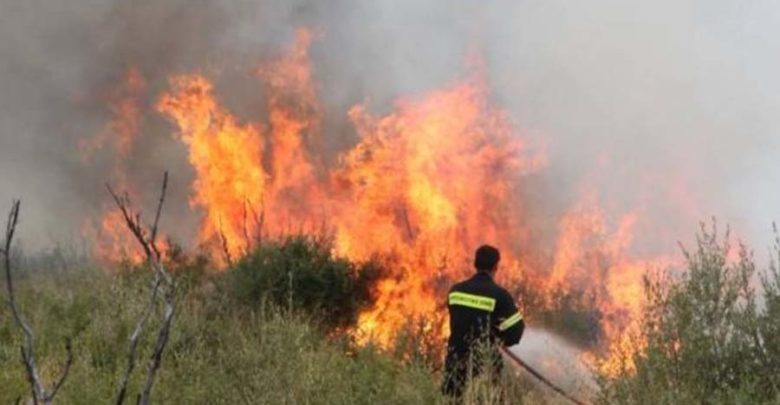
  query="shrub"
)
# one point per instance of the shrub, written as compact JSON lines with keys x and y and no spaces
{"x":704,"y":338}
{"x":300,"y":273}
{"x":221,"y":350}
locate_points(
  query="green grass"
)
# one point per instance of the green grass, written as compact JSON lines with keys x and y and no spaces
{"x":235,"y":338}
{"x":218,"y":352}
{"x":271,"y":330}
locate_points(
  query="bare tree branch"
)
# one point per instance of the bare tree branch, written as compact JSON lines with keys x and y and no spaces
{"x":224,"y":245}
{"x":259,"y":222}
{"x":157,"y":214}
{"x":133,"y":221}
{"x":245,"y":230}
{"x":65,"y":370}
{"x":407,"y":222}
{"x":30,"y":368}
{"x":131,"y":353}
{"x":37,"y":389}
{"x":27,"y":356}
{"x":162,"y":340}
{"x":163,"y":283}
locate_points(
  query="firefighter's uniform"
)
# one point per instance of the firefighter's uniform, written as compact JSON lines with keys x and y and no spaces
{"x":479,"y":308}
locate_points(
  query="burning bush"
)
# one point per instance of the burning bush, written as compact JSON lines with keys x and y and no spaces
{"x":301,"y":273}
{"x":704,"y":336}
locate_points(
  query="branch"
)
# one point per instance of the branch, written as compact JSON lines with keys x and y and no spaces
{"x":28,"y":356}
{"x":407,"y":222}
{"x":65,"y":370}
{"x":13,"y":220}
{"x":247,"y":240}
{"x":162,"y":282}
{"x":26,"y":350}
{"x":131,"y":353}
{"x":157,"y":215}
{"x":224,"y":245}
{"x":259,"y":222}
{"x":133,"y":221}
{"x":162,"y":340}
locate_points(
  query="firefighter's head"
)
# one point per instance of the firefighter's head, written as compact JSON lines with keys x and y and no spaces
{"x":486,"y":258}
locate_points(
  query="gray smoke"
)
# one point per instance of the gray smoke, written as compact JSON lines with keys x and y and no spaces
{"x":557,"y":360}
{"x":666,"y":105}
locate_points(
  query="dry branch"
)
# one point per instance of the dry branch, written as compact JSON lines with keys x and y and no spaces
{"x":162,"y":339}
{"x":259,"y":222}
{"x":163,"y":283}
{"x":245,"y":230}
{"x":131,"y":353}
{"x":223,"y":242}
{"x":37,"y":389}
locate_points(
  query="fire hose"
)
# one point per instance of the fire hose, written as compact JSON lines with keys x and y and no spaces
{"x":539,"y":376}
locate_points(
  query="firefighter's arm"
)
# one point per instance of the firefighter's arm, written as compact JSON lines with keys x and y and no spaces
{"x":510,"y":322}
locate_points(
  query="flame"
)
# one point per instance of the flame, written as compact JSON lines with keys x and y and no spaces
{"x":591,"y":258}
{"x":235,"y":185}
{"x":294,"y":121}
{"x":226,"y":157}
{"x":424,"y":184}
{"x":432,"y":180}
{"x":111,"y":239}
{"x":123,"y":129}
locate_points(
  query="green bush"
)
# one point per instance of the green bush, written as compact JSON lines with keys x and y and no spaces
{"x":218,"y":352}
{"x":300,"y":273}
{"x":707,"y":338}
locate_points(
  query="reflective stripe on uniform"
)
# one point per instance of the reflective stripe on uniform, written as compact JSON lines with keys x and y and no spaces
{"x":511,"y":321}
{"x":472,"y":301}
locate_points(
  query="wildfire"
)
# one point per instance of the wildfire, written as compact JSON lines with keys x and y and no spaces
{"x":226,"y":157}
{"x":423,"y":185}
{"x":124,"y":103}
{"x":432,"y":180}
{"x":235,"y":184}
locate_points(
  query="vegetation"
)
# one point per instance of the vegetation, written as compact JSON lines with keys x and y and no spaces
{"x":236,"y":338}
{"x":265,"y":331}
{"x":707,"y":336}
{"x":301,"y":274}
{"x":218,"y":352}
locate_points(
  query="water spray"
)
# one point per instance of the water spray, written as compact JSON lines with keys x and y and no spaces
{"x":517,"y":360}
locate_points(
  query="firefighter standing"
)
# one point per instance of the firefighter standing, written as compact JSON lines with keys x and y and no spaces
{"x":480,"y":311}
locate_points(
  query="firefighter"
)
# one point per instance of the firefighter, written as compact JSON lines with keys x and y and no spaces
{"x":480,"y":311}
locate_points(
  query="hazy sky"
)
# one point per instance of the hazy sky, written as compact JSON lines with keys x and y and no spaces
{"x":660,"y":100}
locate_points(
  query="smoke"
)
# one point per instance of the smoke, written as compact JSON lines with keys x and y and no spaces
{"x":558,"y":361}
{"x":663,"y":106}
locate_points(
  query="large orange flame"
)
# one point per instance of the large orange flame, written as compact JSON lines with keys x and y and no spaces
{"x":226,"y":157}
{"x":427,"y":184}
{"x":422,"y":187}
{"x":237,"y":183}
